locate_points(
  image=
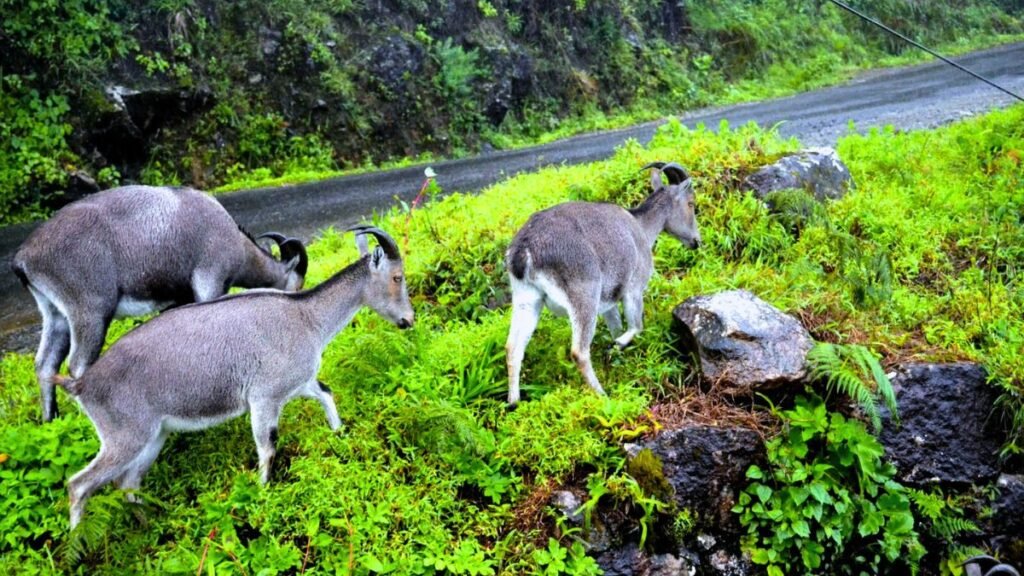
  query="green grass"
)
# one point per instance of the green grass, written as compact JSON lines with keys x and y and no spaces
{"x":920,"y":261}
{"x":299,"y":175}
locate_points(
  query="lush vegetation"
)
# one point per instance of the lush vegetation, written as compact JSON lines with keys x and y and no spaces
{"x":290,"y":90}
{"x":432,"y":474}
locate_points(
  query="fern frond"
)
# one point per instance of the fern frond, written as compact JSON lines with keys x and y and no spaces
{"x":854,"y":371}
{"x":92,"y":531}
{"x":949,"y":528}
{"x":931,"y":504}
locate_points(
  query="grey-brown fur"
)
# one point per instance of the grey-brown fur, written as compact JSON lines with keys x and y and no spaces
{"x":582,"y":259}
{"x":130,"y":251}
{"x":199,"y":365}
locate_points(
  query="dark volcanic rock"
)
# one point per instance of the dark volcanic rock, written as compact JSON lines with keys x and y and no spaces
{"x":625,"y":561}
{"x":817,"y":170}
{"x":123,"y":134}
{"x":80,"y":184}
{"x":629,"y":560}
{"x":948,"y":433}
{"x":669,"y":565}
{"x":269,"y":41}
{"x":743,"y":342}
{"x":508,"y":84}
{"x":394,"y":63}
{"x":1008,"y":509}
{"x":152,"y":109}
{"x":706,"y":466}
{"x":1007,"y":523}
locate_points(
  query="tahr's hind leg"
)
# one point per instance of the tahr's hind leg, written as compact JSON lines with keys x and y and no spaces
{"x":137,"y":468}
{"x":265,"y":415}
{"x":54,"y":344}
{"x":88,"y":331}
{"x":613,"y":320}
{"x":583,"y":316}
{"x":633,"y":305}
{"x":527,"y":304}
{"x":113,"y":461}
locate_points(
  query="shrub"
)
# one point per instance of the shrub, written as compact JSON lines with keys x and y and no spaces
{"x":827,"y":501}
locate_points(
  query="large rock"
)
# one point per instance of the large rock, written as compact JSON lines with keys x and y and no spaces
{"x":706,"y":467}
{"x":123,"y":134}
{"x":508,"y":84}
{"x":948,"y":434}
{"x":698,"y":469}
{"x":742,"y":342}
{"x":1007,"y":522}
{"x":394,"y":64}
{"x":817,"y":170}
{"x":1008,"y":508}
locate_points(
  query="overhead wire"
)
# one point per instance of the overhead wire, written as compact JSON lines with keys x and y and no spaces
{"x":960,"y":67}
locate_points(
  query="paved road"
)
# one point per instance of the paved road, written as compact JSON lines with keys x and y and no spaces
{"x":915,"y":97}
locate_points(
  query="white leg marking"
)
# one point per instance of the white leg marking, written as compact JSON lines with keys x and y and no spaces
{"x":527,"y":303}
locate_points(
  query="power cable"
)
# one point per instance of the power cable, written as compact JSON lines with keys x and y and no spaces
{"x":867,"y":18}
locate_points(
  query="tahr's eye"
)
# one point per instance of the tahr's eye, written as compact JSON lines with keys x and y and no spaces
{"x":397,"y":279}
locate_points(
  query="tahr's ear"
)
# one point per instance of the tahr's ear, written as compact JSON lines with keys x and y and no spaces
{"x":656,"y":183}
{"x":378,"y":258}
{"x":684,"y":189}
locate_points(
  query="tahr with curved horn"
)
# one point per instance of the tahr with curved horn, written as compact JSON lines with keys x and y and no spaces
{"x":581,"y":259}
{"x":132,"y":251}
{"x":167,"y":375}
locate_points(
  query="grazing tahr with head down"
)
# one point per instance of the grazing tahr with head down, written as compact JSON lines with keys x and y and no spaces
{"x":131,"y":251}
{"x":581,"y":259}
{"x":196,"y":366}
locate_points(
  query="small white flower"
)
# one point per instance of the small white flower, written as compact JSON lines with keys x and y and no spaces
{"x":429,"y":172}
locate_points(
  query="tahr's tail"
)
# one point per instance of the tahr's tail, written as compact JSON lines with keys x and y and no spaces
{"x":71,"y":385}
{"x":19,"y":270}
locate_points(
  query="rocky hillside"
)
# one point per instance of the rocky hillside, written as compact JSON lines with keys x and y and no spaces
{"x":199,"y":92}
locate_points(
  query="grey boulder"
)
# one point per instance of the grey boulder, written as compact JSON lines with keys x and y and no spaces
{"x":816,"y":170}
{"x":743,"y":343}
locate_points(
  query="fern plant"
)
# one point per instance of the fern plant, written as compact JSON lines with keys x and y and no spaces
{"x":943,"y":522}
{"x":95,"y":530}
{"x":853,"y":370}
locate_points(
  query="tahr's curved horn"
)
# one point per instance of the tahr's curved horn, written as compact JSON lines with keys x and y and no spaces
{"x":277,"y":237}
{"x":676,"y":173}
{"x":290,"y":248}
{"x":386,"y":242}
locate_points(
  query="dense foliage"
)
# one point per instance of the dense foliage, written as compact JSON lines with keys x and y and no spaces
{"x":828,"y":502}
{"x":283,"y":90}
{"x":432,"y":474}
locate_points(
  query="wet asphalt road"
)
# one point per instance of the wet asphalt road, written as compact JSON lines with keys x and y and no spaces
{"x":922,"y":96}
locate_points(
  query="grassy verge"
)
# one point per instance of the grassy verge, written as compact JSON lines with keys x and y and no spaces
{"x":431,"y":474}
